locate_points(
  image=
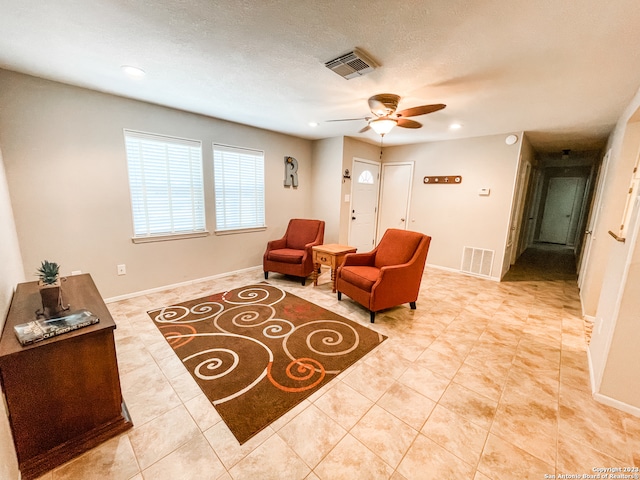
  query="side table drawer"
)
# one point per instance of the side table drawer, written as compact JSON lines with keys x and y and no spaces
{"x":322,"y":258}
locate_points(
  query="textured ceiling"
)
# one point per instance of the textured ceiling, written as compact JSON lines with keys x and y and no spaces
{"x":561,"y":70}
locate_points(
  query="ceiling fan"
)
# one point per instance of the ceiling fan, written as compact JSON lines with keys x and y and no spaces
{"x":383,"y":107}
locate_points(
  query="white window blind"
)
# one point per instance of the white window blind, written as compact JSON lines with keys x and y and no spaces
{"x":239,"y":188}
{"x":166,"y":182}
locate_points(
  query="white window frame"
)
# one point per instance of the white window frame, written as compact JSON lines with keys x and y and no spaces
{"x":239,"y":188}
{"x":166,"y":184}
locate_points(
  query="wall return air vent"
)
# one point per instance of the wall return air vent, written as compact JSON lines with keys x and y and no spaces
{"x":477,"y":261}
{"x":352,"y":64}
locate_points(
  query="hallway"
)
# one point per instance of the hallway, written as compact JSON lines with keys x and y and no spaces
{"x":544,"y":262}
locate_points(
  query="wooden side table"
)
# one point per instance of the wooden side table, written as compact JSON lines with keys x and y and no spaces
{"x":331,"y":255}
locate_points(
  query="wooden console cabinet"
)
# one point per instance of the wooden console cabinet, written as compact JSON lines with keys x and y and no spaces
{"x":63,"y":394}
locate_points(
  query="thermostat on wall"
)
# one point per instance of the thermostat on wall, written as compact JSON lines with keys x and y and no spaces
{"x":484,"y":192}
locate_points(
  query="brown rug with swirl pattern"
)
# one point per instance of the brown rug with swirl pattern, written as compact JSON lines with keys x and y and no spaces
{"x":257,"y":351}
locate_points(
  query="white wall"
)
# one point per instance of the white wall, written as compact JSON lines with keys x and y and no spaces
{"x":326,"y":171}
{"x":455,"y":215}
{"x":12,"y":274}
{"x":66,"y":168}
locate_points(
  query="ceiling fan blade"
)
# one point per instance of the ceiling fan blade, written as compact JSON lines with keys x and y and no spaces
{"x":421,"y":110}
{"x":348,"y":119}
{"x":406,"y":123}
{"x":364,"y":129}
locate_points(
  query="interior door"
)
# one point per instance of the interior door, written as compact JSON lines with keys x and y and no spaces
{"x":589,"y":236}
{"x":558,"y":210}
{"x":395,"y":195}
{"x":364,"y":204}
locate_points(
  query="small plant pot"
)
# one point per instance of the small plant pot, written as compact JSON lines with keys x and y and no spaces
{"x":51,"y":296}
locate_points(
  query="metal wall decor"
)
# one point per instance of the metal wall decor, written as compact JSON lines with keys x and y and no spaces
{"x":450,"y":179}
{"x":290,"y":172}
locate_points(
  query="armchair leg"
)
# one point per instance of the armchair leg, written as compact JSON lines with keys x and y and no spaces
{"x":412,"y":305}
{"x":339,"y":296}
{"x":373,"y":316}
{"x":266,"y":275}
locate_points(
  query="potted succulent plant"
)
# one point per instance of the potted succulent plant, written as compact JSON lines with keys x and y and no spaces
{"x":50,"y":291}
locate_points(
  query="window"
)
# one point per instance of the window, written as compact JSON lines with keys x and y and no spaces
{"x":167,"y":192}
{"x":366,"y":177}
{"x":239,"y":188}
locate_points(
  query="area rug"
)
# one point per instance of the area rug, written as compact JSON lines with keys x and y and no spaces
{"x":258,"y":351}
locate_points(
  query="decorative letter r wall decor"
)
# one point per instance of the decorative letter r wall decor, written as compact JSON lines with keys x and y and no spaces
{"x":290,"y":172}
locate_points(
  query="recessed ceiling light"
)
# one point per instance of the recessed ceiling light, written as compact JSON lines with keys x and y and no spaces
{"x":133,"y":71}
{"x":455,"y":126}
{"x":313,"y":124}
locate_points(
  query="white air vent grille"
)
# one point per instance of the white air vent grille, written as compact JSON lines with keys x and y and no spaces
{"x":352,"y":64}
{"x":477,"y":261}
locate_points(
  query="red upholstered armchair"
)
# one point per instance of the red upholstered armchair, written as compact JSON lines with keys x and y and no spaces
{"x":388,"y":275}
{"x":292,"y":253}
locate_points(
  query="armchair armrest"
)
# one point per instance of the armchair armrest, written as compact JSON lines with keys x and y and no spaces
{"x":359,"y":259}
{"x":309,"y":246}
{"x":277,"y":244}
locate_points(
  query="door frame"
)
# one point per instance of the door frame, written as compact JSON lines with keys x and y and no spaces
{"x":522,"y":189}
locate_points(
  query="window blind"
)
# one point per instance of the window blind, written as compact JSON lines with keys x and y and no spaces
{"x":166,"y":183}
{"x":239,"y":188}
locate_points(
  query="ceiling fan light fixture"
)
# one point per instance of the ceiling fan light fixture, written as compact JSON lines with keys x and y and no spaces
{"x":382,"y":126}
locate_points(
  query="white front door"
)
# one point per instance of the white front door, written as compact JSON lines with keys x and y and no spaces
{"x":364,"y":204}
{"x":395,"y":196}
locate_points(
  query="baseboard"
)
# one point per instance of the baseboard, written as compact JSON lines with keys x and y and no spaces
{"x":604,"y":399}
{"x":181,"y":284}
{"x":612,"y":402}
{"x":460,"y":272}
{"x":126,"y":296}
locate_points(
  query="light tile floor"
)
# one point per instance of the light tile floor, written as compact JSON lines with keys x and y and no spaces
{"x":484,"y":380}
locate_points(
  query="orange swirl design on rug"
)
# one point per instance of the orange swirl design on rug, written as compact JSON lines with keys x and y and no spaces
{"x":302,"y":367}
{"x":178,"y":340}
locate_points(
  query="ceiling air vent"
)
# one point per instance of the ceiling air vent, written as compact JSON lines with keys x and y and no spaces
{"x":352,"y":64}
